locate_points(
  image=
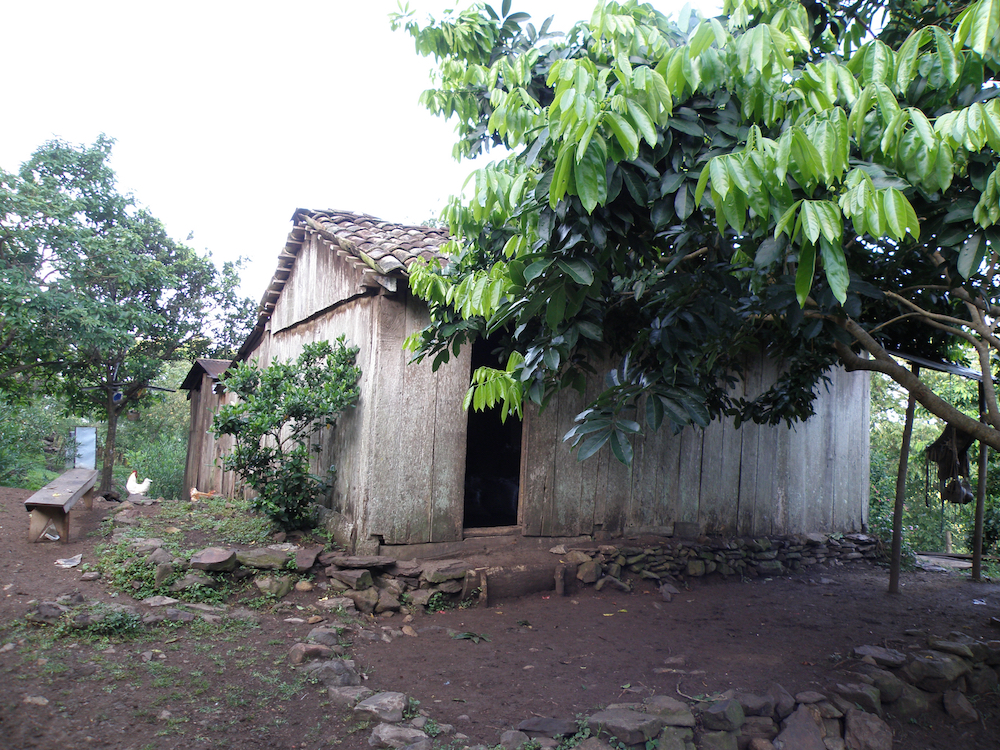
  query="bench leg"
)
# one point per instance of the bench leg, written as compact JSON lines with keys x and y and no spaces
{"x":42,"y":520}
{"x":88,"y":498}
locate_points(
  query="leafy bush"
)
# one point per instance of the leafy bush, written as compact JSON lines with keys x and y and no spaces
{"x":33,"y":447}
{"x":281,"y":407}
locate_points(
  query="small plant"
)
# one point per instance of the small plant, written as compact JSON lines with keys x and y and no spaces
{"x":280,"y":409}
{"x":470,"y":636}
{"x":412,"y":707}
{"x":439,"y":601}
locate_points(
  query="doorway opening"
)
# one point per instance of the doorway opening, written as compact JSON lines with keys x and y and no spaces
{"x":492,"y":457}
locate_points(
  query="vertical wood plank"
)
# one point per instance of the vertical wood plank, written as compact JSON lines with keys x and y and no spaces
{"x":689,"y":474}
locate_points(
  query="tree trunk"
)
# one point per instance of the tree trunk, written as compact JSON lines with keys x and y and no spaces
{"x":896,"y":554}
{"x":109,"y":447}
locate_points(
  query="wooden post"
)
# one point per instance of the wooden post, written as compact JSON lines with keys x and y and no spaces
{"x":977,"y":536}
{"x":897,"y":512}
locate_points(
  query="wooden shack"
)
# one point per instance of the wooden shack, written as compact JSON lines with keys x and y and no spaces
{"x":413,"y":467}
{"x":203,"y":469}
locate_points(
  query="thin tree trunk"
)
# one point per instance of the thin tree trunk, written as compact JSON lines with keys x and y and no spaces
{"x":109,"y":447}
{"x":896,"y":556}
{"x":977,"y":534}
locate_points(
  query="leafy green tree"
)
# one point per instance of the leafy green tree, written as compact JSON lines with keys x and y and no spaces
{"x":94,"y":295}
{"x":280,"y":409}
{"x":33,"y":442}
{"x":816,"y":181}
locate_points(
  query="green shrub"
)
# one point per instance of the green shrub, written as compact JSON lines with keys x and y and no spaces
{"x":281,"y":408}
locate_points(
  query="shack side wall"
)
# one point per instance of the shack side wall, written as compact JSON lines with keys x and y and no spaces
{"x":753,"y":480}
{"x":203,"y":469}
{"x":400,"y":453}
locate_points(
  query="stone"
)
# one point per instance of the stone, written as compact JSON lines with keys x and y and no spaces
{"x":360,"y":561}
{"x":91,"y":575}
{"x":935,"y":671}
{"x":784,"y":703}
{"x":162,"y":574}
{"x":159,"y":601}
{"x":759,"y":726}
{"x":759,"y":743}
{"x":303,"y":652}
{"x":277,"y":586}
{"x":408,"y":568}
{"x":802,"y":731}
{"x":982,"y":680}
{"x":305,"y":558}
{"x":673,"y":712}
{"x":548,"y":727}
{"x":867,"y":697}
{"x":717,"y":741}
{"x":755,"y":705}
{"x":334,"y":673}
{"x":365,"y":600}
{"x":334,"y":603}
{"x":387,"y":707}
{"x":146,"y":546}
{"x":589,"y":571}
{"x":326,"y":636}
{"x":865,"y":731}
{"x":304,"y":586}
{"x":912,"y":703}
{"x":809,"y":697}
{"x":630,"y":727}
{"x":357,"y":579}
{"x":726,"y":716}
{"x":512,"y":739}
{"x":886,"y":657}
{"x":389,"y":735}
{"x":668,"y":591}
{"x":440,"y":571}
{"x":214,"y":558}
{"x":46,"y":612}
{"x":674,"y":738}
{"x":386,"y":602}
{"x":952,"y":647}
{"x":696,"y":568}
{"x":193,"y":579}
{"x":179,"y":615}
{"x":577,"y":557}
{"x":827,"y":710}
{"x":348,"y":695}
{"x":263,"y":559}
{"x":957,"y":706}
{"x":889,"y":686}
{"x":160,"y":556}
{"x":596,"y":743}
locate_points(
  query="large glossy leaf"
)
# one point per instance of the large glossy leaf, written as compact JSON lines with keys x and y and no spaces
{"x":805,"y":272}
{"x":835,"y":265}
{"x":971,"y":255}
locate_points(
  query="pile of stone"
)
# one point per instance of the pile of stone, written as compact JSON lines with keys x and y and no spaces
{"x":379,"y":584}
{"x":749,"y":558}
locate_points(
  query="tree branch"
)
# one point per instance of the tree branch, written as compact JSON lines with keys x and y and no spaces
{"x":883,"y":362}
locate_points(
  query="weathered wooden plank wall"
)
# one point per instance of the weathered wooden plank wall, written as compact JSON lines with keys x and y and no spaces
{"x":752,"y":480}
{"x":400,"y":453}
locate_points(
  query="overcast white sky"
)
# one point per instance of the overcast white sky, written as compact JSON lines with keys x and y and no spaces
{"x":229,"y":116}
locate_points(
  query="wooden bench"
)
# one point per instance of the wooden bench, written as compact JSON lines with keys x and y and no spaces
{"x":50,"y":506}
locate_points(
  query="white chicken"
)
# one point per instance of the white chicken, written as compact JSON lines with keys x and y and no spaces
{"x":134,"y":486}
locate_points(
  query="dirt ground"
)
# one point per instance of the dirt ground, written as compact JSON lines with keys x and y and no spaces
{"x":541,"y":655}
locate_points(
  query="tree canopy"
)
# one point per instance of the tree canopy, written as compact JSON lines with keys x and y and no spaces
{"x":816,"y":181}
{"x":94,"y":295}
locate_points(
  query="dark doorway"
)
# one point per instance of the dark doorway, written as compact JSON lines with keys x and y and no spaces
{"x":493,"y":458}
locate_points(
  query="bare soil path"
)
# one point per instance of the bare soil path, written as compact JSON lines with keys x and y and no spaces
{"x":201,"y":687}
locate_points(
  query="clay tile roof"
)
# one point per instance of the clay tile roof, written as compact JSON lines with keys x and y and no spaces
{"x":380,"y":248}
{"x":371,"y":239}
